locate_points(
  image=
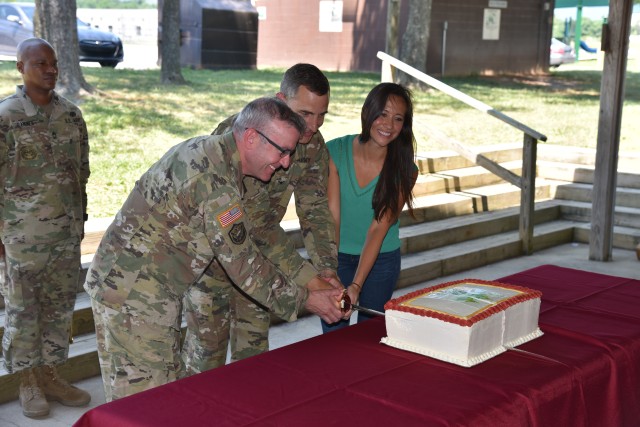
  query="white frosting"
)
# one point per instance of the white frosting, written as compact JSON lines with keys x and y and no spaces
{"x":521,"y":323}
{"x":441,"y":356}
{"x":463,"y":345}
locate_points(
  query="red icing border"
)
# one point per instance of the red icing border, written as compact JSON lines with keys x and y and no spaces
{"x":527,"y":294}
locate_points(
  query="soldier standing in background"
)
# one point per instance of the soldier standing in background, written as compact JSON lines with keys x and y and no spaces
{"x":184,"y":215}
{"x":44,"y":168}
{"x":305,"y":89}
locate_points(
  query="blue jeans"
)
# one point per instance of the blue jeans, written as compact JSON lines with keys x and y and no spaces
{"x":376,"y":290}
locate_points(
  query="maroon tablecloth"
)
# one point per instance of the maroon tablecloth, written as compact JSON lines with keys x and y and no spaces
{"x":584,"y":371}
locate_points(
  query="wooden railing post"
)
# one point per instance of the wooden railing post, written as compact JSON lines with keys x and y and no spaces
{"x":528,"y":192}
{"x":387,"y":72}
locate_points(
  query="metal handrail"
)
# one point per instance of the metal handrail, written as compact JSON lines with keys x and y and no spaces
{"x":526,"y":182}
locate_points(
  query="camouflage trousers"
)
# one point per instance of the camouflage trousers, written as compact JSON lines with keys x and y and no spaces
{"x":217,"y":313}
{"x":137,"y":349}
{"x":39,"y":283}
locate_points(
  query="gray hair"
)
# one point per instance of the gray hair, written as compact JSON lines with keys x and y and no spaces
{"x":260,"y":112}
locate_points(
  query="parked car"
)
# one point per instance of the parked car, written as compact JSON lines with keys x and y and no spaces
{"x":560,"y":53}
{"x":16,"y":25}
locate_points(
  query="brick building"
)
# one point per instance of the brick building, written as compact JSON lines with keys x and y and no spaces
{"x":466,"y":36}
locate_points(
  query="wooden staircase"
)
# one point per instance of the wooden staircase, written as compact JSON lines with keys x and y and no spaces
{"x":465,"y":217}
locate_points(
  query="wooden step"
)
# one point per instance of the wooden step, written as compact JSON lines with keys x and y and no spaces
{"x":437,"y":161}
{"x":426,"y":265}
{"x":435,"y":234}
{"x":473,"y":200}
{"x":581,"y":211}
{"x":625,"y":197}
{"x":94,"y":228}
{"x":444,"y":182}
{"x":448,"y":181}
{"x":623,"y":237}
{"x":627,"y":161}
{"x":575,"y":173}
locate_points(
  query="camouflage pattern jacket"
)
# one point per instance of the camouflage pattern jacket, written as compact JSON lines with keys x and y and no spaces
{"x":184,"y":212}
{"x":266,"y":205}
{"x":44,"y":168}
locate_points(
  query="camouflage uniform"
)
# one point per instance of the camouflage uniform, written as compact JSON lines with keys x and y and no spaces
{"x":183,"y":215}
{"x":44,"y":168}
{"x":265,"y":204}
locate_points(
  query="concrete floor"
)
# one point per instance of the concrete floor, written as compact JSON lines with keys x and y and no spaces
{"x":572,"y":255}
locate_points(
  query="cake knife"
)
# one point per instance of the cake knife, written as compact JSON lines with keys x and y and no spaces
{"x":346,"y":305}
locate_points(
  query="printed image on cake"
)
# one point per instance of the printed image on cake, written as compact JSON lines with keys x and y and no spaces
{"x":464,"y":322}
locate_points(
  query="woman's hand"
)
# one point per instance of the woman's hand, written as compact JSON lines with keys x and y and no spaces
{"x":354,"y":292}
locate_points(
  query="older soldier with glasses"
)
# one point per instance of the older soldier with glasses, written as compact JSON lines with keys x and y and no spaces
{"x":284,"y":152}
{"x":186,"y":214}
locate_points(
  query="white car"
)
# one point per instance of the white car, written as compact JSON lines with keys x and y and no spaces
{"x":560,"y":53}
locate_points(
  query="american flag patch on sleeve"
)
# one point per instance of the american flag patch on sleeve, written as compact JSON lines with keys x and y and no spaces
{"x":230,"y":216}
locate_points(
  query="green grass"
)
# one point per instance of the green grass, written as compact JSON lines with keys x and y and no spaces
{"x":136,"y":120}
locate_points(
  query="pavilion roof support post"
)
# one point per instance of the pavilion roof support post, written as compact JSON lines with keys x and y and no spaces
{"x":616,"y":34}
{"x":528,"y":192}
{"x":578,"y":31}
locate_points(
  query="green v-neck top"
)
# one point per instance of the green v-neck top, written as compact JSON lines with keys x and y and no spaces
{"x":356,"y":211}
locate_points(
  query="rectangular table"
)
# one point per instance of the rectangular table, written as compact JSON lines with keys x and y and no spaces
{"x":584,"y":371}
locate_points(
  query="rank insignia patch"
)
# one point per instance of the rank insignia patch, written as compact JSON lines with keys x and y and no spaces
{"x":28,"y":153}
{"x":238,"y":233}
{"x":230,"y":216}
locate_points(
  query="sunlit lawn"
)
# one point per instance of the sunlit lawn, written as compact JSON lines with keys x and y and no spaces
{"x":136,"y":120}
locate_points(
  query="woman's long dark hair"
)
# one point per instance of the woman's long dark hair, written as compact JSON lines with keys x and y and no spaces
{"x":398,"y":171}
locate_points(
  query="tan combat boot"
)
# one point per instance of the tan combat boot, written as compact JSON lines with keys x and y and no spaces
{"x":58,"y":390}
{"x":31,"y":396}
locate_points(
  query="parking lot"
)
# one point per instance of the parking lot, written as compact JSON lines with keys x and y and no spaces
{"x":137,"y":56}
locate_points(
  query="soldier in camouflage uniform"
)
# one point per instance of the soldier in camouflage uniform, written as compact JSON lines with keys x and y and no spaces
{"x":186,"y":214}
{"x":44,"y":168}
{"x":306,"y":90}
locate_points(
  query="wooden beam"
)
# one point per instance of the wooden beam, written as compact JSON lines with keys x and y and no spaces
{"x":387,"y":72}
{"x":528,"y":193}
{"x":616,"y":33}
{"x":476,"y":158}
{"x":454,"y":93}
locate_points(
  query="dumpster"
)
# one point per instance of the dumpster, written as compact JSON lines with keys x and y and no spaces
{"x":218,"y":34}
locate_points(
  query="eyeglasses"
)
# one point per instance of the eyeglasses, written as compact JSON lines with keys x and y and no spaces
{"x":284,"y":152}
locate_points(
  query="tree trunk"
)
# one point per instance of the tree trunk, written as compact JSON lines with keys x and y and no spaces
{"x":56,"y":23}
{"x":415,"y":39}
{"x":170,"y":72}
